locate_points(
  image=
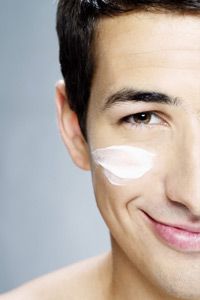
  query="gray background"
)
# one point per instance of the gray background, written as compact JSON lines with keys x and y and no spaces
{"x":48,"y":215}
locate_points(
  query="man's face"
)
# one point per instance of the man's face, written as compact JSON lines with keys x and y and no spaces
{"x":160,"y":53}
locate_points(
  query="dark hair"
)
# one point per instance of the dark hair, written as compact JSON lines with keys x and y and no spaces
{"x":76,"y":21}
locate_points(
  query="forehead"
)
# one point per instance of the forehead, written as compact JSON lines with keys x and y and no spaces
{"x":138,"y":48}
{"x":143,"y":33}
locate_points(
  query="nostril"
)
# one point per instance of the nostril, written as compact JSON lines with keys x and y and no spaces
{"x":195,"y":218}
{"x":178,"y":204}
{"x":188,"y":208}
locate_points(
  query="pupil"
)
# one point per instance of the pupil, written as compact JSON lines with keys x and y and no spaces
{"x":142,"y":118}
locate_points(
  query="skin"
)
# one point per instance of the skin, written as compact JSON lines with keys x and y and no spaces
{"x":153,"y":52}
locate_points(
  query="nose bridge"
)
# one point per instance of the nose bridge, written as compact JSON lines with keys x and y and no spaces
{"x":184,"y":184}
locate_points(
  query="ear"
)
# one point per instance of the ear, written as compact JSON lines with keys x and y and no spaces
{"x":70,"y":129}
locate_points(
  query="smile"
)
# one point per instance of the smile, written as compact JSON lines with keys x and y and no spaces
{"x":179,"y":237}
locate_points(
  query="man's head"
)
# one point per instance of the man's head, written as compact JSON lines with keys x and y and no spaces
{"x":76,"y":24}
{"x":133,"y":82}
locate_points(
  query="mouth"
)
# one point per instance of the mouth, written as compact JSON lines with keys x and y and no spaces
{"x":179,"y":237}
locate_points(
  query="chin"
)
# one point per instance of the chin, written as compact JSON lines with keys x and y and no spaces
{"x":184,"y":293}
{"x":177,"y":286}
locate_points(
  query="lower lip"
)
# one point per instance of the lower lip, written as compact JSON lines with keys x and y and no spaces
{"x":182,"y":240}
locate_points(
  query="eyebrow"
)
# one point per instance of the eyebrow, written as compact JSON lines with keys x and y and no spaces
{"x":134,"y":95}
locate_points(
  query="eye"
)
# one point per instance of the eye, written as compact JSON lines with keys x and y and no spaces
{"x":143,"y":118}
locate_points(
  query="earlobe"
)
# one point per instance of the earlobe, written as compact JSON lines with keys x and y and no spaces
{"x":70,"y":129}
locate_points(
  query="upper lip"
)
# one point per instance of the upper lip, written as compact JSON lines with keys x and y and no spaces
{"x":185,"y":227}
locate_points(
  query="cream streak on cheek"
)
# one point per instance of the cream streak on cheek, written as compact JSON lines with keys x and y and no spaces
{"x":123,"y":163}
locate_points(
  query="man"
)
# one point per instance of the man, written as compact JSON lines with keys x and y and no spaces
{"x":129,"y":111}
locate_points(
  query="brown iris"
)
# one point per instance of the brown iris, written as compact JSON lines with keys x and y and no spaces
{"x":143,"y":118}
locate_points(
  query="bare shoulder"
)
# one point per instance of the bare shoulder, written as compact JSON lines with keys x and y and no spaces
{"x":88,"y":279}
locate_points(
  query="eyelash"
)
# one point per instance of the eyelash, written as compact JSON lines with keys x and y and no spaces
{"x":142,"y":123}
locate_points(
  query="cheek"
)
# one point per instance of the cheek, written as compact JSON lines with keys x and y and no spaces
{"x":120,"y":178}
{"x":115,"y":197}
{"x":119,"y":195}
{"x":120,"y":205}
{"x":111,"y":199}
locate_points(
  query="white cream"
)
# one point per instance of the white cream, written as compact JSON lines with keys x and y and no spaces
{"x":123,"y":163}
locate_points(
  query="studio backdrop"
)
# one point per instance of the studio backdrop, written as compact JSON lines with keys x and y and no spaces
{"x":48,"y":214}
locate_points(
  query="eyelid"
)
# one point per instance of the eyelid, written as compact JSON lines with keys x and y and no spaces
{"x":152,"y":113}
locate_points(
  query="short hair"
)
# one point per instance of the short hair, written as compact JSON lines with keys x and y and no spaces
{"x":76,"y":20}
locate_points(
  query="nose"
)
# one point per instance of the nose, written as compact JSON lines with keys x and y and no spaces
{"x":183,"y":180}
